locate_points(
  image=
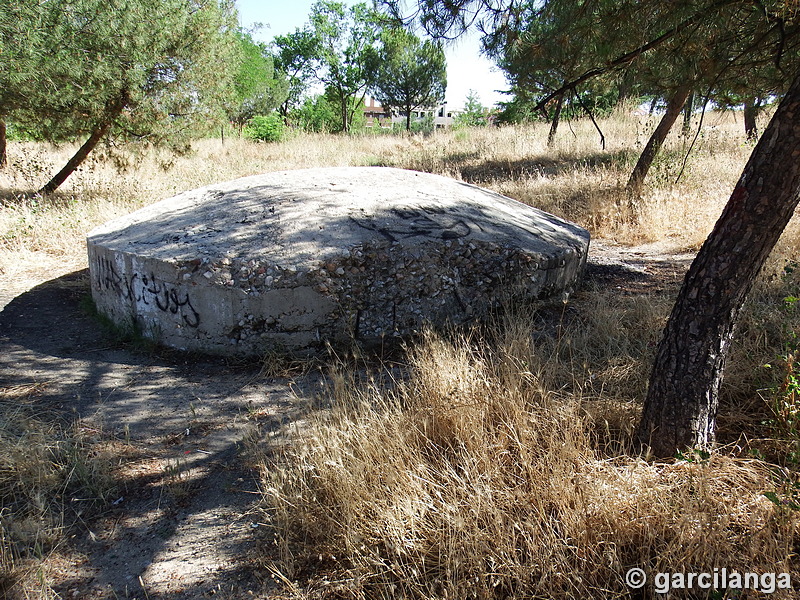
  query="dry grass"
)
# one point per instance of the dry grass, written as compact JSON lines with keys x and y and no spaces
{"x":575,"y":179}
{"x":500,"y":466}
{"x":51,"y":477}
{"x":485,"y":475}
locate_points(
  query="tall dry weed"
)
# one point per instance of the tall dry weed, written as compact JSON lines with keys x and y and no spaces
{"x":51,"y":477}
{"x":455,"y":484}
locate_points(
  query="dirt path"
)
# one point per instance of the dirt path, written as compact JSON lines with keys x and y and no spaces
{"x":184,"y":525}
{"x":181,"y":527}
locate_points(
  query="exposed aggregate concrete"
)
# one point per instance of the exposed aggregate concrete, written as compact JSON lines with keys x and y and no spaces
{"x":297,"y":259}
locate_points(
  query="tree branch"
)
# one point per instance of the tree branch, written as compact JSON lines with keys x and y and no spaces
{"x":629,"y":57}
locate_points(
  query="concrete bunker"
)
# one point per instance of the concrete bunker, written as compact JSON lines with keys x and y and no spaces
{"x":294,"y":259}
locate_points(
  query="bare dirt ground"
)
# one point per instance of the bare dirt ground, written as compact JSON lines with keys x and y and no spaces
{"x":184,"y":524}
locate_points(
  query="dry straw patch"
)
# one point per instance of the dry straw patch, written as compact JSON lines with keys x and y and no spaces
{"x":51,"y":476}
{"x":464,"y":483}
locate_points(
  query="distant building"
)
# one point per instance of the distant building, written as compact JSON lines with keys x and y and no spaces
{"x":376,"y":115}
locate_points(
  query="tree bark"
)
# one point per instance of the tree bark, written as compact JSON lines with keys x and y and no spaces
{"x":687,"y":115}
{"x":74,"y":162}
{"x":3,"y":152}
{"x":750,"y":113}
{"x":551,"y":137}
{"x":657,"y":139}
{"x":343,"y":98}
{"x":681,"y":404}
{"x":114,"y":109}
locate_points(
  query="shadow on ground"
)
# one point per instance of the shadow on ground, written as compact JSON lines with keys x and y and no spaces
{"x":486,"y":171}
{"x":184,"y":523}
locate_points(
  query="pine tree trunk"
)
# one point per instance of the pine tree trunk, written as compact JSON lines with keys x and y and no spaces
{"x":687,"y":116}
{"x":750,"y":112}
{"x":74,"y":162}
{"x":657,"y":139}
{"x":551,"y":137}
{"x":3,"y":153}
{"x":681,"y":405}
{"x":113,"y":110}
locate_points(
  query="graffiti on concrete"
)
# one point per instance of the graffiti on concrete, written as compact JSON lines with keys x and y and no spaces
{"x":427,"y":221}
{"x":148,"y":290}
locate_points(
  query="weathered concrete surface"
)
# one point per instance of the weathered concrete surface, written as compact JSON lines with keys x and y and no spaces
{"x":292,"y":259}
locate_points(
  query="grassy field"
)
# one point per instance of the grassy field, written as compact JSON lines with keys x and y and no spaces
{"x":499,"y":463}
{"x":574,"y":179}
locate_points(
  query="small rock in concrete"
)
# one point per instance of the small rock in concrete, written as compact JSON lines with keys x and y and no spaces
{"x":292,"y":259}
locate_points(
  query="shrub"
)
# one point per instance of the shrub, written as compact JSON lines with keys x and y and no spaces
{"x":265,"y":128}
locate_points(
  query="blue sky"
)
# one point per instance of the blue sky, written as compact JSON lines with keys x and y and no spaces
{"x":466,"y":69}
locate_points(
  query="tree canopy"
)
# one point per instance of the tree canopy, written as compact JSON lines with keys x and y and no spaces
{"x":410,"y":73}
{"x":294,"y":57}
{"x":143,"y":70}
{"x":258,"y":87}
{"x":346,"y":58}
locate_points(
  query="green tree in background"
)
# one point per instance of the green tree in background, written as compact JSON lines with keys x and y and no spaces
{"x":150,"y":71}
{"x":474,"y":114}
{"x":322,"y":114}
{"x":411,"y":74}
{"x":258,"y":88}
{"x":295,"y":56}
{"x":346,"y":58}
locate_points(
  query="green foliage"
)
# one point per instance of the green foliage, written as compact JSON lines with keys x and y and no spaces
{"x":784,"y":399}
{"x":258,"y":88}
{"x":424,"y":125}
{"x":474,"y":115}
{"x":411,"y":74}
{"x":295,"y":57}
{"x":157,"y":59}
{"x":346,"y":59}
{"x":696,"y":456}
{"x":267,"y":128}
{"x":153,"y":71}
{"x":321,"y":114}
{"x":735,"y":50}
{"x":552,"y":43}
{"x":315,"y":115}
{"x":786,"y":499}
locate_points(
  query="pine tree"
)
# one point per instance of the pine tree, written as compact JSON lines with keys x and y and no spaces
{"x":144,"y":70}
{"x":411,"y":73}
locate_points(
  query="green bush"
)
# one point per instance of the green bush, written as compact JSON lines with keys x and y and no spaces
{"x":317,"y":115}
{"x":322,"y":114}
{"x":265,"y":128}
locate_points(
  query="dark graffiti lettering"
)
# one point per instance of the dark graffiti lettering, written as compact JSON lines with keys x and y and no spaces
{"x":431,"y":221}
{"x":148,"y":290}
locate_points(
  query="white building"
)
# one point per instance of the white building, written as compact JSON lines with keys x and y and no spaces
{"x":374,"y":113}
